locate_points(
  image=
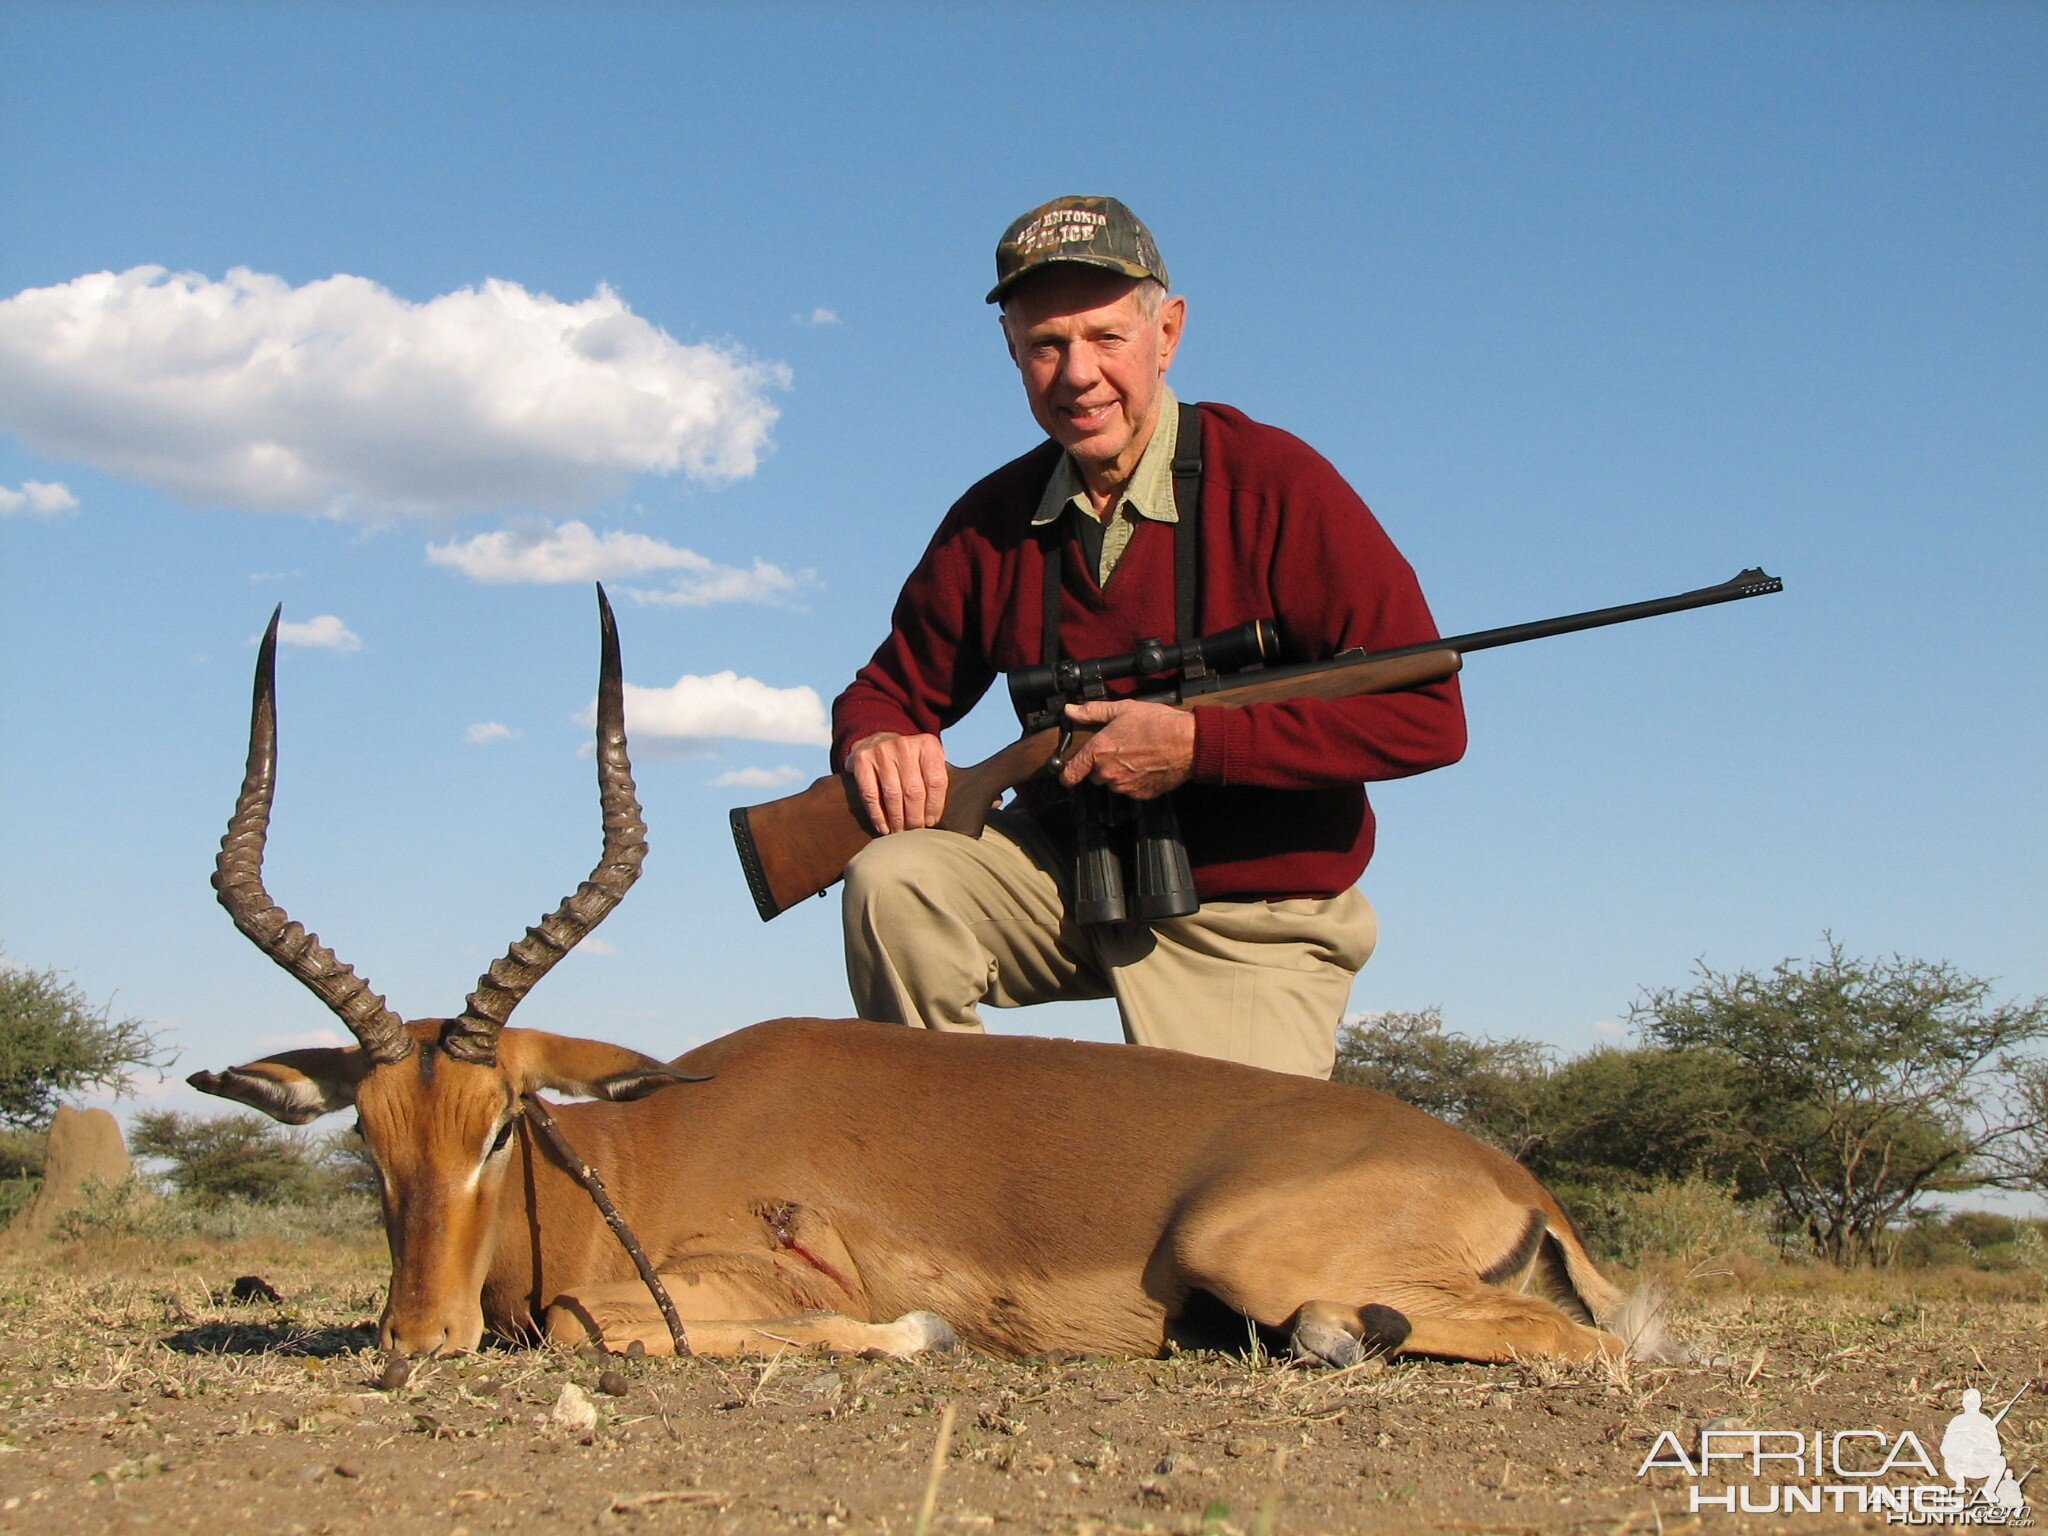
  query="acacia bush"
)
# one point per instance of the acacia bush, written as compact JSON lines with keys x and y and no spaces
{"x":54,"y":1042}
{"x":1819,"y":1104}
{"x":222,"y":1159}
{"x":1861,"y":1087}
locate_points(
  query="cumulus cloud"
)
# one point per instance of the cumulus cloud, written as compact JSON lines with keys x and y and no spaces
{"x":484,"y":732}
{"x":37,"y":498}
{"x":819,"y":316}
{"x":758,"y":778}
{"x":696,"y":711}
{"x":1609,"y":1028}
{"x":339,"y":396}
{"x":322,"y":633}
{"x":540,"y":552}
{"x":761,"y":583}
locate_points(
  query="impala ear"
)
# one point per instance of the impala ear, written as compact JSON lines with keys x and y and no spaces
{"x":639,"y":1082}
{"x":588,"y":1068}
{"x":295,"y":1087}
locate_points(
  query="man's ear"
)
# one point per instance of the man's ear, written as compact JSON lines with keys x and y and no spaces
{"x":295,"y":1087}
{"x":590,"y":1068}
{"x":1173,"y":320}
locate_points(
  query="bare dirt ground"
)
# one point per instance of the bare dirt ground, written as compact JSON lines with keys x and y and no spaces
{"x":134,"y":1396}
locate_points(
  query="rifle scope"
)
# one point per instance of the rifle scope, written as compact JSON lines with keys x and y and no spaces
{"x":1042,"y":689}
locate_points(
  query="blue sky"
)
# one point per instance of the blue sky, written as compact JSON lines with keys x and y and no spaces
{"x":1590,"y":303}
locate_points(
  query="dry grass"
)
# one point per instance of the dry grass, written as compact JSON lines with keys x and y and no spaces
{"x":133,"y":1395}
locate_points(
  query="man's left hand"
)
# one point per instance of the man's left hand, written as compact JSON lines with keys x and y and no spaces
{"x":1142,"y":750}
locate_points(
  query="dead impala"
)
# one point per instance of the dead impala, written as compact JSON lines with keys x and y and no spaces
{"x":805,"y":1181}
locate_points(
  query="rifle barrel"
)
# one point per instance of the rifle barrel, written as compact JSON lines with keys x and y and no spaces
{"x":1750,"y":583}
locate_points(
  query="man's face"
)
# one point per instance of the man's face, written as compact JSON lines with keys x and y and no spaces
{"x":1093,"y":361}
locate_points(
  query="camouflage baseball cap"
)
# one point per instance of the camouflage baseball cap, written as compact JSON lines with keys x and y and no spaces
{"x":1093,"y":231}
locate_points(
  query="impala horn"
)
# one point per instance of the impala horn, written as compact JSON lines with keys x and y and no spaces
{"x":474,"y":1036}
{"x":238,"y":878}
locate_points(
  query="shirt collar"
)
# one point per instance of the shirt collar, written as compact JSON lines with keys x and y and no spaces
{"x":1150,"y":493}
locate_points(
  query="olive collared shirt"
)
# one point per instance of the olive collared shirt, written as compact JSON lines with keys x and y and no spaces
{"x":1149,"y":495}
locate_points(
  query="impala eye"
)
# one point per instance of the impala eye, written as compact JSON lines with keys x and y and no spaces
{"x":504,"y":1135}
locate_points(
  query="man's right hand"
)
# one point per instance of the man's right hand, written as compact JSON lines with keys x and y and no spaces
{"x":901,"y":780}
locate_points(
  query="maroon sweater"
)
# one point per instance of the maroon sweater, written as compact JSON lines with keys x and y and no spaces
{"x":1276,"y":806}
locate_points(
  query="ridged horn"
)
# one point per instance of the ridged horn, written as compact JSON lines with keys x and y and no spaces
{"x":238,"y":878}
{"x":474,"y":1036}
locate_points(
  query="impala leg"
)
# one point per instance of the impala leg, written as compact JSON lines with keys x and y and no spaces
{"x":729,"y":1316}
{"x":1485,"y":1325}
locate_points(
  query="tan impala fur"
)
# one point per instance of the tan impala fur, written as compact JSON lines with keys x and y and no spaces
{"x":852,"y":1185}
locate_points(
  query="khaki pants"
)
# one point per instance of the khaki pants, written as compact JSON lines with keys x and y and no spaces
{"x":937,"y":923}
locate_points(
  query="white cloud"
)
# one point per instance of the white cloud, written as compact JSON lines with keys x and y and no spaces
{"x":38,"y":498}
{"x":1609,"y":1028}
{"x":763,"y":583}
{"x":593,"y":945}
{"x":539,"y":552}
{"x":339,"y":396}
{"x":698,"y":710}
{"x":484,"y":732}
{"x":322,"y":633}
{"x":758,"y":778}
{"x":819,"y":316}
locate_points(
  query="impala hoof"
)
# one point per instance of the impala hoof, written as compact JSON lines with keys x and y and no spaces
{"x":927,"y":1331}
{"x":1325,"y":1344}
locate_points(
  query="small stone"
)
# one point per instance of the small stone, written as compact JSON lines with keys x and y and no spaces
{"x":1499,"y":1399}
{"x":574,"y":1412}
{"x":252,"y":1288}
{"x":1244,"y":1446}
{"x":1170,"y":1463}
{"x":347,"y":1469}
{"x":396,"y":1373}
{"x":636,"y":1350}
{"x":614,"y":1384}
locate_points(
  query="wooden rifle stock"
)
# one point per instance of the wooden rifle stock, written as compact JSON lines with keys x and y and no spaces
{"x":800,"y":845}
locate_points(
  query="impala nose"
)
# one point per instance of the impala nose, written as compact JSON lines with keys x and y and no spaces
{"x":422,"y":1339}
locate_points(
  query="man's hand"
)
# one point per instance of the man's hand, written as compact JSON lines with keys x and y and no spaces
{"x":901,"y":779}
{"x":1143,"y":750}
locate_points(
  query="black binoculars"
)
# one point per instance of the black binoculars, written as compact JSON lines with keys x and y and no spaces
{"x":1129,"y":860}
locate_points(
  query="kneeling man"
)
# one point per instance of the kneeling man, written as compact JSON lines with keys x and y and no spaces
{"x":1138,"y":519}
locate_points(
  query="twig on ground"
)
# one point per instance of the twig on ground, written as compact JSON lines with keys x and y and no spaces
{"x":938,"y":1468}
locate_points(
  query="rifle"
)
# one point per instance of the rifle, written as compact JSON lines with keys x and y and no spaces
{"x":800,"y":845}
